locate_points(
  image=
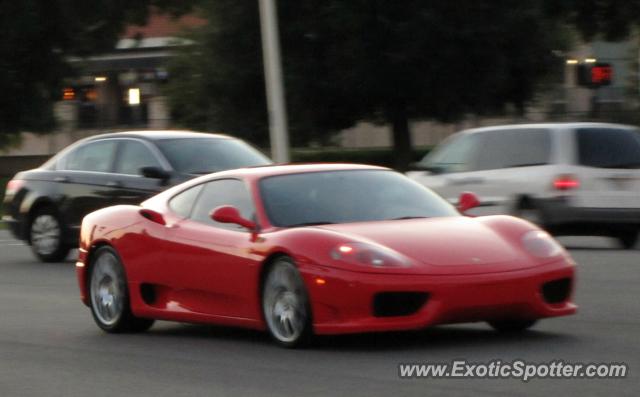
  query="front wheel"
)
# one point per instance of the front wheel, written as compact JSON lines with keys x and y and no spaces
{"x":110,"y":295}
{"x":512,"y":326}
{"x":528,"y":211}
{"x":46,"y":236}
{"x":285,"y":304}
{"x":628,"y":240}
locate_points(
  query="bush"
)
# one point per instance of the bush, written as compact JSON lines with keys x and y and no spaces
{"x":383,"y":157}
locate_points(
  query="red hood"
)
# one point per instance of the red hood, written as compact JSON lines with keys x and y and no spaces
{"x":454,"y":245}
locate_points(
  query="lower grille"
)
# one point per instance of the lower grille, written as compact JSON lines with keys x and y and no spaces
{"x":556,"y":291}
{"x":390,"y":304}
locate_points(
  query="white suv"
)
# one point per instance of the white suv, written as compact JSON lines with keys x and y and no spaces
{"x":571,"y":178}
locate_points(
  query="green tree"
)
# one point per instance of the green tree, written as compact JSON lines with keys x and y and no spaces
{"x":608,"y":19}
{"x":351,"y":60}
{"x":37,"y":35}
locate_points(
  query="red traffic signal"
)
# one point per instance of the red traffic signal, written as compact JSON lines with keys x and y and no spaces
{"x":595,"y":75}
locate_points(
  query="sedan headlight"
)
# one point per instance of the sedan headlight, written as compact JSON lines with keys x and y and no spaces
{"x":541,"y":244}
{"x":368,"y":255}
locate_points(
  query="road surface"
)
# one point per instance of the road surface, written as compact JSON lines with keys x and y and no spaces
{"x":49,"y":345}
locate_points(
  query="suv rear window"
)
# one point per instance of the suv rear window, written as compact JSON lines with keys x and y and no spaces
{"x":609,"y":148}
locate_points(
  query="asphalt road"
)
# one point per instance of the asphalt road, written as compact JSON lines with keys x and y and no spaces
{"x":49,"y":345}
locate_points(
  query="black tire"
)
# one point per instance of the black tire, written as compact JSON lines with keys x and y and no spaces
{"x":283,"y":291}
{"x":109,"y":294}
{"x":628,"y":240}
{"x":46,"y":235}
{"x":512,"y":326}
{"x":526,"y":210}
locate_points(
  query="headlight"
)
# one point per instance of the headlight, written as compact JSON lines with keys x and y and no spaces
{"x":541,"y":244}
{"x":368,"y":255}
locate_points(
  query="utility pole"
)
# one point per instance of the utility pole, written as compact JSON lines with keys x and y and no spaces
{"x":278,"y":130}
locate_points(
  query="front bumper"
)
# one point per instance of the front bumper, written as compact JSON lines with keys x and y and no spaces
{"x":343,"y":301}
{"x":81,"y":275}
{"x":559,"y":212}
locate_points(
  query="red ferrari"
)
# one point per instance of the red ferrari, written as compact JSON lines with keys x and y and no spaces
{"x":316,"y":249}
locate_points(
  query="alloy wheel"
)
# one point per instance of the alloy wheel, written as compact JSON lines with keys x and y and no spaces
{"x":45,"y":234}
{"x":285,"y":303}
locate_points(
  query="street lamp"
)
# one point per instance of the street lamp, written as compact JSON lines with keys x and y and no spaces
{"x":278,"y":133}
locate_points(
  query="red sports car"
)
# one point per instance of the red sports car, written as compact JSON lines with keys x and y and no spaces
{"x":316,"y":249}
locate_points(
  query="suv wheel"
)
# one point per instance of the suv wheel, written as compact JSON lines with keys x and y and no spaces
{"x":628,"y":240}
{"x":529,"y":212}
{"x":45,"y":236}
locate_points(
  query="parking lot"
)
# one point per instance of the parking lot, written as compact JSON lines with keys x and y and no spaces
{"x":49,"y":344}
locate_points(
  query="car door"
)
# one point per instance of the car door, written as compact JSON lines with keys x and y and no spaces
{"x":511,"y":163}
{"x":497,"y":165}
{"x":217,"y":268}
{"x":84,"y":177}
{"x":130,"y":186}
{"x":449,"y":169}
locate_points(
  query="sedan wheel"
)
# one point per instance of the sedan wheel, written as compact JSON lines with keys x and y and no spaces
{"x":285,"y":304}
{"x":512,"y":326}
{"x":109,"y":295}
{"x":46,"y":236}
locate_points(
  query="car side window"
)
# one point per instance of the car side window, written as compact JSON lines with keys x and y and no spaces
{"x":457,"y":155}
{"x":182,"y":203}
{"x":133,"y":156}
{"x":223,"y":192}
{"x":94,"y":156}
{"x":609,"y":148}
{"x":514,"y":148}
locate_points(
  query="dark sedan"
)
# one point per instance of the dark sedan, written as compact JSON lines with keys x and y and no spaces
{"x":45,"y":206}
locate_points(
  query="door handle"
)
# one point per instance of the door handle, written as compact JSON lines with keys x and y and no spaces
{"x":114,"y":184}
{"x":61,"y":179}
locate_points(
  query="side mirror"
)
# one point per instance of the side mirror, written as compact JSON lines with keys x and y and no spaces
{"x":154,"y":173}
{"x":230,"y":214}
{"x":467,"y":201}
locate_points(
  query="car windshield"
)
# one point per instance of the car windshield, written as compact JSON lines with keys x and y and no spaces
{"x":347,"y":196}
{"x":206,"y":155}
{"x":453,"y":155}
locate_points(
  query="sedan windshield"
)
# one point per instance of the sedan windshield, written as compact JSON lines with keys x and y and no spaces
{"x":206,"y":155}
{"x":348,"y":196}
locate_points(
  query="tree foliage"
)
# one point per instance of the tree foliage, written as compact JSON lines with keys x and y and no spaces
{"x":375,"y":60}
{"x":344,"y":60}
{"x":36,"y":37}
{"x":606,"y":19}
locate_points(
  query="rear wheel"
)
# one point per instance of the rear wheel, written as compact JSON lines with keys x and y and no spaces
{"x":46,"y":236}
{"x":110,"y":295}
{"x":512,"y":326}
{"x":628,"y":240}
{"x":528,"y":211}
{"x":285,"y":304}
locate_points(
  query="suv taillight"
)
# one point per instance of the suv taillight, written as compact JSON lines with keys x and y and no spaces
{"x":566,"y":182}
{"x":13,"y":186}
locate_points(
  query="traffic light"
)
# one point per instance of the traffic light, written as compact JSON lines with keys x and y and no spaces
{"x":594,"y":75}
